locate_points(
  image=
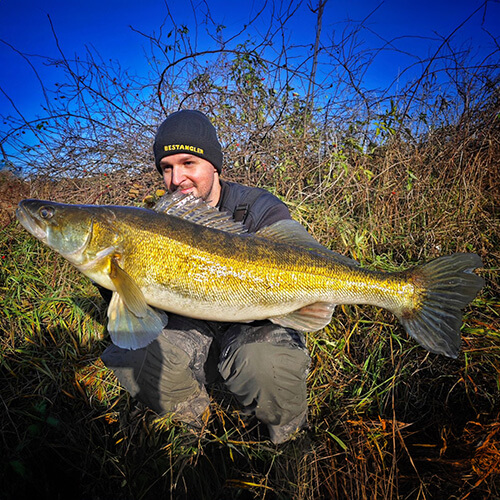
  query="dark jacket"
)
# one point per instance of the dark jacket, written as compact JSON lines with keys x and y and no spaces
{"x":254,"y":207}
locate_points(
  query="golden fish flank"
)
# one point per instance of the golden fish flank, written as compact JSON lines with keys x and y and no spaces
{"x":190,"y":259}
{"x":208,"y":269}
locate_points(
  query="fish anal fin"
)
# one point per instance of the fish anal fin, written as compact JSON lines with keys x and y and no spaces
{"x":308,"y":318}
{"x":129,"y":331}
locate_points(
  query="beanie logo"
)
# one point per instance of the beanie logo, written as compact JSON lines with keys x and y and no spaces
{"x":185,"y":147}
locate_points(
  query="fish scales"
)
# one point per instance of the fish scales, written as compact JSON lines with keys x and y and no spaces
{"x":238,"y":269}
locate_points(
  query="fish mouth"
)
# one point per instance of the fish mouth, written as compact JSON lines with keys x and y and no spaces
{"x":31,"y":224}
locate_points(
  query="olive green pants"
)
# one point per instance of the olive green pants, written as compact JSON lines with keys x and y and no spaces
{"x":264,"y":365}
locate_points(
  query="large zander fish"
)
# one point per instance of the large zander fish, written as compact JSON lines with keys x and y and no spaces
{"x":190,"y":259}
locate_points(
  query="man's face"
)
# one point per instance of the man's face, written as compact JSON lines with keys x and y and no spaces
{"x":190,"y":174}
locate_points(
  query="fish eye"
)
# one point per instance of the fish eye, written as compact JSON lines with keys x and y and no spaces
{"x":46,"y":212}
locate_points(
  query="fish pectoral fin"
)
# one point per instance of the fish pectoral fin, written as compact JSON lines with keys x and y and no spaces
{"x":129,"y":292}
{"x":308,"y":318}
{"x":132,"y":323}
{"x":130,"y":331}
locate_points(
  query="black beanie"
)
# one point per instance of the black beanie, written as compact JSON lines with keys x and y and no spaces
{"x":188,"y":131}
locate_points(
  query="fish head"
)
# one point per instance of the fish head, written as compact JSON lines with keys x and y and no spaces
{"x":67,"y":229}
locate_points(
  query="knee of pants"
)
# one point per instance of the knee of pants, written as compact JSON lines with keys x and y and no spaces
{"x":160,"y":375}
{"x":268,"y":379}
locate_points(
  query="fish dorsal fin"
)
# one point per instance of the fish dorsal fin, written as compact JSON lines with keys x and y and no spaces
{"x":188,"y":207}
{"x":294,"y":233}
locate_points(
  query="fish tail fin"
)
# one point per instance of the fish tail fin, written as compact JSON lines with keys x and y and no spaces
{"x":446,"y":286}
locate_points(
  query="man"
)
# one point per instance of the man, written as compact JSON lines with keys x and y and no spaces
{"x":264,"y":365}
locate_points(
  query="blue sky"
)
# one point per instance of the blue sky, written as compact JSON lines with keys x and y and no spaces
{"x":107,"y":25}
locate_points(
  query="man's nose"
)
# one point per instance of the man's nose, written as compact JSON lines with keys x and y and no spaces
{"x":178,"y":176}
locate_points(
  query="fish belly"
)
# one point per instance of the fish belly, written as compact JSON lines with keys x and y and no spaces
{"x":218,"y":310}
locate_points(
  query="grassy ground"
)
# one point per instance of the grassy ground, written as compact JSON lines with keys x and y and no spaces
{"x":387,"y":419}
